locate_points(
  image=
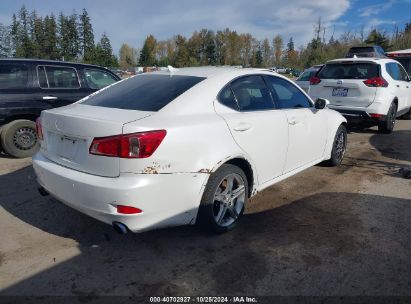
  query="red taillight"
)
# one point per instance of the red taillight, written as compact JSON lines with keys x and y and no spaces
{"x":376,"y":82}
{"x":376,"y":115}
{"x":128,"y":210}
{"x":135,"y":145}
{"x":314,"y":80}
{"x":39,"y":130}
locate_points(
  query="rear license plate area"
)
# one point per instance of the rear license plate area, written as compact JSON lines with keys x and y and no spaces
{"x":67,"y":147}
{"x":340,"y":92}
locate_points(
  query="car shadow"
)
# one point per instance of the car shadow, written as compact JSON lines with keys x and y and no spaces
{"x":396,"y":145}
{"x":323,"y":244}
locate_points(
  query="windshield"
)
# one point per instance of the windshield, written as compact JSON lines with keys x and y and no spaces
{"x":149,"y":92}
{"x":349,"y":71}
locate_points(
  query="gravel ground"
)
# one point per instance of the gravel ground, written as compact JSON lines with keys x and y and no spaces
{"x":326,"y":231}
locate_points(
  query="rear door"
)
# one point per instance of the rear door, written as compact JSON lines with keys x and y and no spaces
{"x":342,"y":83}
{"x":258,"y":128}
{"x":59,"y":85}
{"x":307,"y":126}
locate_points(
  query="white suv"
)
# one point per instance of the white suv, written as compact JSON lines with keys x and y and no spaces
{"x":374,"y":91}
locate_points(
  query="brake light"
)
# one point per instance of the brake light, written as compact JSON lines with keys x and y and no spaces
{"x":39,"y":130}
{"x":373,"y":115}
{"x":376,"y":82}
{"x":135,"y":145}
{"x":128,"y":210}
{"x":314,"y":80}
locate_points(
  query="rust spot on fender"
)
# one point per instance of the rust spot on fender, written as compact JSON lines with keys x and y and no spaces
{"x":204,"y":171}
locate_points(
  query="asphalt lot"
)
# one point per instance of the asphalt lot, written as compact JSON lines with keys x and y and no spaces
{"x":326,"y":231}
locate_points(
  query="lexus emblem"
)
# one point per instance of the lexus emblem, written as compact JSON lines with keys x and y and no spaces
{"x":59,"y":124}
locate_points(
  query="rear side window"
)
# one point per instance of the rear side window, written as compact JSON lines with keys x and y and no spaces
{"x":149,"y":92}
{"x":286,"y":95}
{"x":55,"y":77}
{"x":252,"y":94}
{"x":97,"y":79}
{"x":226,"y":97}
{"x":14,"y":76}
{"x":349,"y":71}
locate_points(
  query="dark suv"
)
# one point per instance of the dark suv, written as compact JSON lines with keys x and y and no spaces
{"x":28,"y":86}
{"x":374,"y":51}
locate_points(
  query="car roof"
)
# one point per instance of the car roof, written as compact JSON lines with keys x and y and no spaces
{"x":214,"y":71}
{"x":362,"y":59}
{"x":51,"y":62}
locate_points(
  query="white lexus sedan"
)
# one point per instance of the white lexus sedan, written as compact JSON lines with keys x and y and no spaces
{"x":183,"y":146}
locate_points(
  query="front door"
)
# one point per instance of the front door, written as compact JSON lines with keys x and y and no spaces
{"x":257,"y":127}
{"x":307,"y":126}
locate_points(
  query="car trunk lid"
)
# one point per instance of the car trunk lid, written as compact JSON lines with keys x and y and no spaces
{"x":69,"y":131}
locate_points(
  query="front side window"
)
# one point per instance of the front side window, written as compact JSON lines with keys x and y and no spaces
{"x":403,"y":73}
{"x":147,"y":92}
{"x":349,"y":70}
{"x":252,"y":94}
{"x":14,"y":76}
{"x":54,"y":77}
{"x":97,"y":79}
{"x":286,"y":95}
{"x":406,"y":63}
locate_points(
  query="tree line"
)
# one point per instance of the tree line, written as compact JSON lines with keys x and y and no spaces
{"x":71,"y":38}
{"x":61,"y":37}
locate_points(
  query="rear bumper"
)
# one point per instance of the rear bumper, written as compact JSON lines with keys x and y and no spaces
{"x":166,"y":199}
{"x":360,"y":116}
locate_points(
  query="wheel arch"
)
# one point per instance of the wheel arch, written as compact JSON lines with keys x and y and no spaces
{"x":244,"y":164}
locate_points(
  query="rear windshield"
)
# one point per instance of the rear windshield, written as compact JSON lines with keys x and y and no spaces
{"x":349,"y":71}
{"x":361,"y":50}
{"x":149,"y":92}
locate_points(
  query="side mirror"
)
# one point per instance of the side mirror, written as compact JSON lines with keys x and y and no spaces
{"x":321,"y":103}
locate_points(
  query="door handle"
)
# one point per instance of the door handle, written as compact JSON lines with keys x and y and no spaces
{"x":293,"y":121}
{"x":50,"y":98}
{"x":243,"y":126}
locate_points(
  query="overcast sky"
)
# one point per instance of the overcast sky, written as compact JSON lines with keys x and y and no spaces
{"x":131,"y":21}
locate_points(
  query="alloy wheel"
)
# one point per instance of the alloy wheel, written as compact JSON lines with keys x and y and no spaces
{"x":229,"y":200}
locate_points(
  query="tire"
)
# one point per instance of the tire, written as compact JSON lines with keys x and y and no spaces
{"x":222,"y":206}
{"x":339,"y":147}
{"x":19,"y":139}
{"x":387,"y":126}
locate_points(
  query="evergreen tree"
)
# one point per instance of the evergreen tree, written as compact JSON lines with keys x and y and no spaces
{"x":5,"y":41}
{"x":86,"y":37}
{"x":104,"y":53}
{"x":50,"y":38}
{"x":377,"y":38}
{"x":148,"y":52}
{"x":181,"y":58}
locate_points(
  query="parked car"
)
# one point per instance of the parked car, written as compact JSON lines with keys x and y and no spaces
{"x":183,"y":147}
{"x":374,"y":51}
{"x":304,"y":80}
{"x":371,"y":91}
{"x":404,"y":57}
{"x":29,"y":86}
